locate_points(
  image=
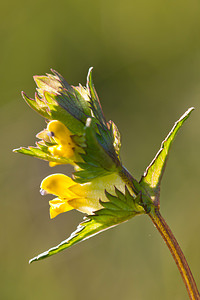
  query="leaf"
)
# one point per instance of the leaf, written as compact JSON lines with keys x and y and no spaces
{"x":47,"y":83}
{"x":95,"y":103}
{"x":97,"y":161}
{"x":106,"y":139}
{"x":72,"y":100}
{"x":42,"y":153}
{"x":118,"y":209}
{"x":116,"y":137}
{"x":152,"y":177}
{"x":35,"y":104}
{"x":57,"y":112}
{"x":57,"y":100}
{"x":89,"y":172}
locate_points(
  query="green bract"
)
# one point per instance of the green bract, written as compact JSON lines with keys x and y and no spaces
{"x":119,"y":208}
{"x":79,"y":109}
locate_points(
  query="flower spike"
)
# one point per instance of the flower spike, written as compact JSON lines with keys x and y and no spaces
{"x":77,"y":133}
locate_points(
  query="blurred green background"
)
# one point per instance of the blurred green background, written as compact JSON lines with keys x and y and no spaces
{"x":146,"y":59}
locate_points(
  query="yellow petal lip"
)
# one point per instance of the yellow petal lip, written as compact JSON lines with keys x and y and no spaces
{"x":65,"y":147}
{"x":58,"y":206}
{"x":60,"y":132}
{"x":53,"y":164}
{"x":57,"y":184}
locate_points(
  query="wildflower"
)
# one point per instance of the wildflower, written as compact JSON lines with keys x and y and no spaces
{"x":77,"y":133}
{"x":83,"y":197}
{"x":64,"y":145}
{"x":62,"y":136}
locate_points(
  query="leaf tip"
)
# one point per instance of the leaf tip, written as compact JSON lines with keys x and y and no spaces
{"x":30,"y":261}
{"x":24,"y":96}
{"x":33,"y":259}
{"x":39,"y":257}
{"x":89,"y":74}
{"x":187,"y":113}
{"x":90,"y":69}
{"x":17,"y":150}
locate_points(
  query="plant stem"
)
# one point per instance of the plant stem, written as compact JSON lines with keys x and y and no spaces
{"x":167,"y":236}
{"x":176,"y":252}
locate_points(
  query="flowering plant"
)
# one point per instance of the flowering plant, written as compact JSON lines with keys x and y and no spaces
{"x":78,"y":134}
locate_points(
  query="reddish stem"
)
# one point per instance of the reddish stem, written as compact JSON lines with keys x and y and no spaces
{"x":176,"y":252}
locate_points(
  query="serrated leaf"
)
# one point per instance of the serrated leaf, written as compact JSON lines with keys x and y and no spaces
{"x":109,"y":205}
{"x":57,"y":112}
{"x":111,"y":215}
{"x":89,"y":172}
{"x":47,"y":83}
{"x":95,"y":103}
{"x":95,"y":151}
{"x":98,"y":162}
{"x":152,"y":177}
{"x":83,"y":97}
{"x":125,"y":202}
{"x":106,"y":140}
{"x":72,"y":100}
{"x":34,"y":105}
{"x":84,"y":176}
{"x":84,"y":231}
{"x":42,"y":153}
{"x":44,"y":136}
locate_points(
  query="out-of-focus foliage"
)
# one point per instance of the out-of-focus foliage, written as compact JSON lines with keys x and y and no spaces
{"x":146,"y":59}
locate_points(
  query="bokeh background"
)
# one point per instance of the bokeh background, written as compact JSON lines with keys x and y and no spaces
{"x":146,"y":59}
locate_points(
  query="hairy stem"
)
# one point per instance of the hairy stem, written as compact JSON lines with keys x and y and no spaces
{"x":176,"y":252}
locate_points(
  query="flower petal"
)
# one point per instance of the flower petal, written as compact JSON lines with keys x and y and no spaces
{"x":62,"y":136}
{"x":61,"y":133}
{"x":85,"y":205}
{"x":58,"y":206}
{"x":58,"y":184}
{"x":61,"y":151}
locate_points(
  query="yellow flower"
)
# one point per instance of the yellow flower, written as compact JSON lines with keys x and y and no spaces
{"x":65,"y":146}
{"x":83,"y":197}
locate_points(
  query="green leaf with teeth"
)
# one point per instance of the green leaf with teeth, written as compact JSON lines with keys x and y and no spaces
{"x":94,"y":99}
{"x":97,"y":161}
{"x":43,"y":153}
{"x":119,"y":208}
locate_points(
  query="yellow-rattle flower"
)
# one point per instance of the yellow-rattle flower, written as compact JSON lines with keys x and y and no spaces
{"x":83,"y":197}
{"x":65,"y":147}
